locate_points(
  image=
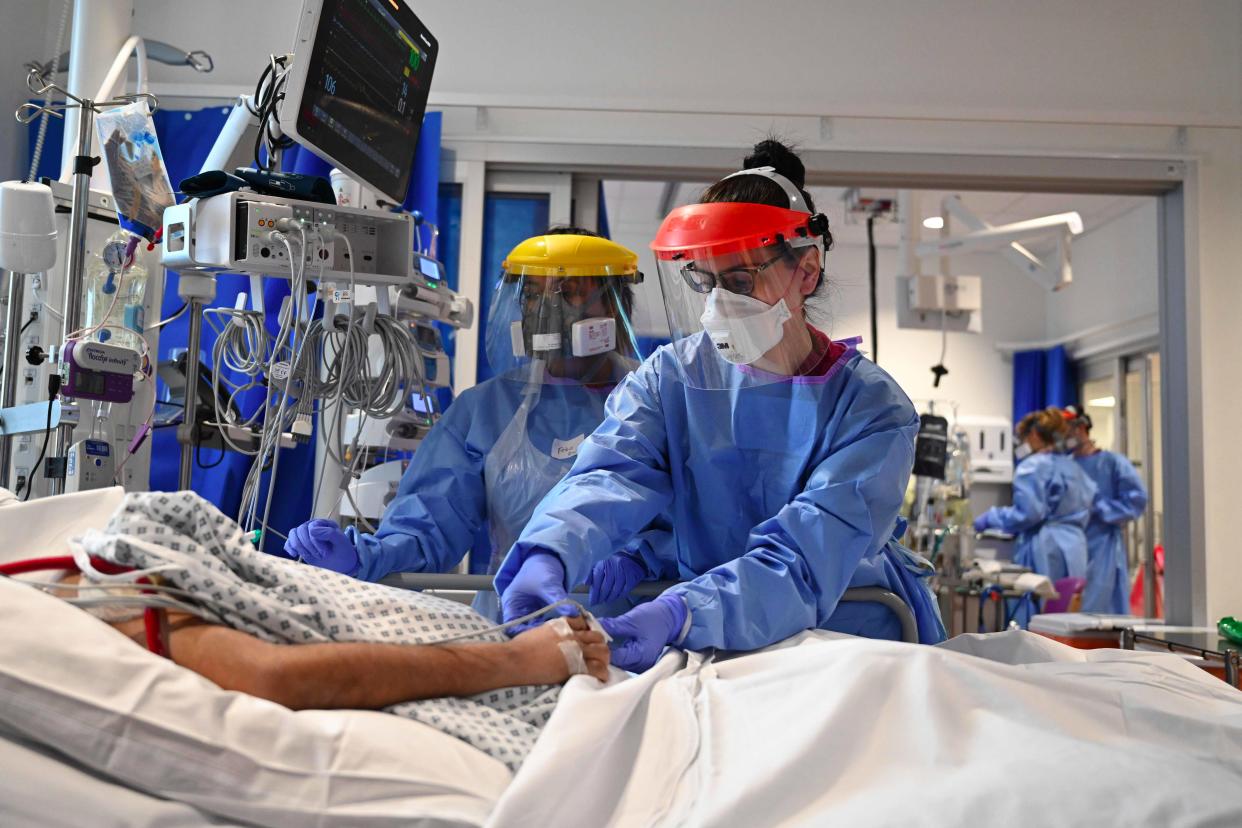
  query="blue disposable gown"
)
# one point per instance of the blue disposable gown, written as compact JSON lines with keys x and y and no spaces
{"x":441,"y":508}
{"x":1120,"y":497}
{"x":1051,"y":506}
{"x":782,"y":496}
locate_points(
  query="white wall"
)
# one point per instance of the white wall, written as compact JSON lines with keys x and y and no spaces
{"x":1114,"y":77}
{"x":1114,"y":61}
{"x":1116,"y":275}
{"x":1108,"y":60}
{"x":24,"y":28}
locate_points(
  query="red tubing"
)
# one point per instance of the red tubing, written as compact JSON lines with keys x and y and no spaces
{"x":150,"y":615}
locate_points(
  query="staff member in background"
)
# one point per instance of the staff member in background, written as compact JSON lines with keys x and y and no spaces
{"x":1120,"y":497}
{"x":780,"y":456}
{"x":559,"y":338}
{"x":1051,"y":502}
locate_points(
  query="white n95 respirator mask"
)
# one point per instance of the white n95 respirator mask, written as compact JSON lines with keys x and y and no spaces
{"x":741,"y":327}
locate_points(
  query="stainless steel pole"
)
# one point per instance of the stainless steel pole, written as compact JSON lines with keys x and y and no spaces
{"x":12,"y":350}
{"x":74,"y":273}
{"x":188,"y":433}
{"x":1149,"y":474}
{"x":75,"y":269}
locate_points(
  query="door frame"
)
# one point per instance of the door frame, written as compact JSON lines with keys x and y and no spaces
{"x":476,"y":181}
{"x":1173,"y":179}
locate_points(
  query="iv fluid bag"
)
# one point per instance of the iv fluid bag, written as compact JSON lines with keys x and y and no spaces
{"x":115,"y":286}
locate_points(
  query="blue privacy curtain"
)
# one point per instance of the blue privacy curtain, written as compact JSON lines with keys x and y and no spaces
{"x":1041,"y":379}
{"x":185,"y":138}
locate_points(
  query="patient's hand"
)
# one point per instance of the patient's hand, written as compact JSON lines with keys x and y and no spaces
{"x":538,"y":656}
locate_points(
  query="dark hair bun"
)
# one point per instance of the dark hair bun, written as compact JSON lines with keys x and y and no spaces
{"x":773,"y":153}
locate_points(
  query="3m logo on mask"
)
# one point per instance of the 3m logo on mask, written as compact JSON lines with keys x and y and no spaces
{"x":743,"y":328}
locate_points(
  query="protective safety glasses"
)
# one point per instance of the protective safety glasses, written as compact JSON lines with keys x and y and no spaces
{"x":739,"y":279}
{"x":576,"y":291}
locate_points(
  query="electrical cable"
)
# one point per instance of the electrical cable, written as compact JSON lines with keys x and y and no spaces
{"x":47,"y":306}
{"x":53,"y":388}
{"x":938,"y":370}
{"x":29,"y":322}
{"x":499,"y":628}
{"x":875,"y":313}
{"x":269,"y":92}
{"x":309,"y":360}
{"x":175,"y":315}
{"x":198,"y":458}
{"x":270,"y":437}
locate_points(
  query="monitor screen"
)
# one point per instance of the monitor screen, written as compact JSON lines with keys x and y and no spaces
{"x":366,"y":81}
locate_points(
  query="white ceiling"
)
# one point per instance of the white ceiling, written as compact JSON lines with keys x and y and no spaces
{"x":639,"y":206}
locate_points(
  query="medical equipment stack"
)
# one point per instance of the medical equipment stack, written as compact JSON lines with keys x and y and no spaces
{"x":356,"y":349}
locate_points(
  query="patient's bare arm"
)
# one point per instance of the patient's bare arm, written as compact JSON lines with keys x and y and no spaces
{"x":368,"y":676}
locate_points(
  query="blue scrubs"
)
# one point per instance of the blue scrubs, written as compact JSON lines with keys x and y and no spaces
{"x":783,"y":494}
{"x":442,"y":509}
{"x":1051,"y":505}
{"x":1120,"y":497}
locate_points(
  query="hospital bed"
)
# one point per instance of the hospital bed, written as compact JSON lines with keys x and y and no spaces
{"x":464,"y":587}
{"x":815,"y":729}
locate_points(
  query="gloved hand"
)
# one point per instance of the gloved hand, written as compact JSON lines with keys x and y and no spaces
{"x":322,"y":543}
{"x":649,"y":628}
{"x":614,"y":577}
{"x":540,"y":581}
{"x":984,"y":522}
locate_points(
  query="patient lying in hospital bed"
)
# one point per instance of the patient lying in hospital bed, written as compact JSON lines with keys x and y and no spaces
{"x":369,"y":676}
{"x":461,"y":676}
{"x":1005,"y":729}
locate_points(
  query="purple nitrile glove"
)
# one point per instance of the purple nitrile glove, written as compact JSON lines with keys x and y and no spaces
{"x":322,"y":543}
{"x":984,"y":522}
{"x":650,"y":628}
{"x":614,"y":577}
{"x":540,"y":581}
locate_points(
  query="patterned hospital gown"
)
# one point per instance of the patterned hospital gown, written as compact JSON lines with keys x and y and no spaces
{"x":285,"y":602}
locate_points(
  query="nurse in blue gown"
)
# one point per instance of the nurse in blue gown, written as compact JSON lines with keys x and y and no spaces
{"x":504,"y":443}
{"x":1120,"y":497}
{"x":1051,"y":503}
{"x":780,"y":456}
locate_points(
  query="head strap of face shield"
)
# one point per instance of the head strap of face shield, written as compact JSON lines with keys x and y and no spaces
{"x":816,"y":226}
{"x":796,"y":201}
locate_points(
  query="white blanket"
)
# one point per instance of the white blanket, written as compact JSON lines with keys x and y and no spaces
{"x":1007,"y":729}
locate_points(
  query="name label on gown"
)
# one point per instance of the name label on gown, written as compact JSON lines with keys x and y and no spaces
{"x":565,"y":449}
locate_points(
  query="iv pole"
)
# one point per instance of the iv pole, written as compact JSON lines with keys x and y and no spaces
{"x":83,"y":165}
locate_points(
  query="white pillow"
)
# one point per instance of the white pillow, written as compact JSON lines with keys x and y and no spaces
{"x":42,"y":528}
{"x":72,"y":683}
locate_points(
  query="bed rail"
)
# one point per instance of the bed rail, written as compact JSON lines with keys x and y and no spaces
{"x":647,"y":589}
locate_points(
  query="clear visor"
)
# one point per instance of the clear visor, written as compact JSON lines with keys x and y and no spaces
{"x":573,"y":328}
{"x":748,"y":307}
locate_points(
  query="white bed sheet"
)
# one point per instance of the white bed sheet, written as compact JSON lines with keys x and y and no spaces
{"x":77,"y":686}
{"x":1008,"y":729}
{"x":38,"y":787}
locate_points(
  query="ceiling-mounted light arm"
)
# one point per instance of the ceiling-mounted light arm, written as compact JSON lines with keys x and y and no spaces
{"x":1002,"y":235}
{"x":1059,"y":227}
{"x":1015,"y":254}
